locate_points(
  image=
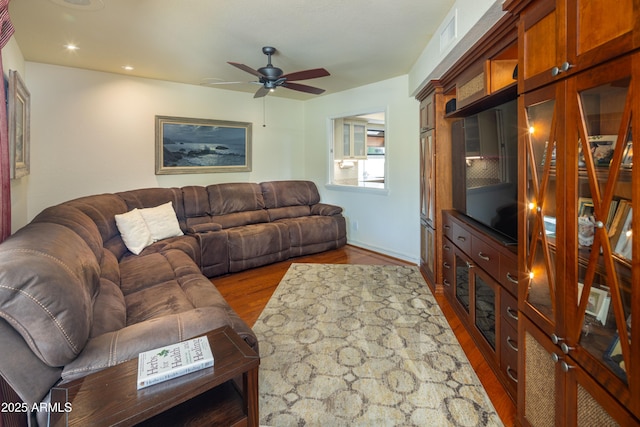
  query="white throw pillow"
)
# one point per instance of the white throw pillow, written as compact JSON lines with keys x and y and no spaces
{"x":134,"y":231}
{"x":162,"y":221}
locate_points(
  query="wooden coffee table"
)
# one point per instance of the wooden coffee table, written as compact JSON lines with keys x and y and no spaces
{"x":206,"y":397}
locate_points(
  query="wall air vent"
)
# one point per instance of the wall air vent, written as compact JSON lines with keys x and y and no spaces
{"x":449,"y":32}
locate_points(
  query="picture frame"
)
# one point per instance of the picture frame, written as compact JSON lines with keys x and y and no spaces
{"x":627,"y":157}
{"x":19,"y":115}
{"x":585,"y":206}
{"x":597,"y":300}
{"x":602,"y":148}
{"x":625,"y":236}
{"x":191,"y":145}
{"x":614,"y":358}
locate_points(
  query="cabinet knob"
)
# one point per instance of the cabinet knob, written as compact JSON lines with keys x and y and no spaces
{"x":555,"y":358}
{"x":565,"y":348}
{"x":599,"y":224}
{"x":561,"y":69}
{"x":565,"y":366}
{"x":556,"y":339}
{"x":469,"y":265}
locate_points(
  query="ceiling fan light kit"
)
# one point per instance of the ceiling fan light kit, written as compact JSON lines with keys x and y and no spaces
{"x":272,"y":77}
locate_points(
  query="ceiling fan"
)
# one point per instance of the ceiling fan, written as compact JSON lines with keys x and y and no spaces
{"x":271,"y":77}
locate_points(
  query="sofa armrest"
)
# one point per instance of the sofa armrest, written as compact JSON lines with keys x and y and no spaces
{"x":325,"y":209}
{"x":204,"y":228}
{"x":125,"y":344}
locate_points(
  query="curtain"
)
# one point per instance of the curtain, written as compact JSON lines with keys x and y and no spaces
{"x":6,"y":30}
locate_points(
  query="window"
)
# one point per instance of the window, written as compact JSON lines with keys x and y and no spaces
{"x":358,"y":148}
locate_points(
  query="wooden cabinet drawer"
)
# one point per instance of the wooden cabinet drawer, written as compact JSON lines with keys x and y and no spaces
{"x":509,"y":357}
{"x":509,"y":309}
{"x":485,"y":256}
{"x":447,"y":226}
{"x":448,"y":273}
{"x":461,"y":237}
{"x":509,"y":273}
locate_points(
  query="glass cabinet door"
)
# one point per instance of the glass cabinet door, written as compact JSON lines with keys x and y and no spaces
{"x":600,"y":222}
{"x":427,"y":193}
{"x":543,"y":158}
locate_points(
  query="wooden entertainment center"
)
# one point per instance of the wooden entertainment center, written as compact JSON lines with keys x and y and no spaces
{"x":553,"y":314}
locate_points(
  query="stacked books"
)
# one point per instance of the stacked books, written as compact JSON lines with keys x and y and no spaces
{"x":165,"y":363}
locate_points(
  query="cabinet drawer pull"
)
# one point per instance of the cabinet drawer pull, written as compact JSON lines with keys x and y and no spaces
{"x":461,"y":238}
{"x":469,"y":265}
{"x":447,"y":248}
{"x":510,"y":375}
{"x":511,"y":278}
{"x":510,"y":344}
{"x":446,"y":265}
{"x":447,"y":227}
{"x":511,"y":313}
{"x":483,"y":256}
{"x":446,"y":282}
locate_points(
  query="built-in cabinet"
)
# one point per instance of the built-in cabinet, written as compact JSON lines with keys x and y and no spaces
{"x":479,"y":280}
{"x":435,"y":180}
{"x":579,"y":356}
{"x":350,"y":139}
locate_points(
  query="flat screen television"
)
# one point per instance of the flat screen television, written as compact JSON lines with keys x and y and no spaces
{"x":485,"y":168}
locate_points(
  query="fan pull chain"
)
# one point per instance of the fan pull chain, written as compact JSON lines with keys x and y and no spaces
{"x":264,"y":112}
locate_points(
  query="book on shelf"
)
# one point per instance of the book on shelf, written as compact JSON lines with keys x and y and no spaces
{"x":174,"y":360}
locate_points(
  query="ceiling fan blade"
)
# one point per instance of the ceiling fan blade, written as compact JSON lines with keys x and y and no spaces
{"x":263,"y":91}
{"x":247,"y":69}
{"x":307,"y":74}
{"x":303,"y":88}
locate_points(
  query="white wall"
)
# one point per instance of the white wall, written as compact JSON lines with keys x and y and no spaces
{"x":387,"y":222}
{"x":94,"y":132}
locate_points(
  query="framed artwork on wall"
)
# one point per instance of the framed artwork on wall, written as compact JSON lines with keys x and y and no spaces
{"x":187,"y":145}
{"x":19,"y":112}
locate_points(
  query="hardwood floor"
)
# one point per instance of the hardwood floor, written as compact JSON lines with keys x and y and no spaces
{"x":249,"y":291}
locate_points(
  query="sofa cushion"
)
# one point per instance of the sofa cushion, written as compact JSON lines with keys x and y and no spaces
{"x":134,"y":231}
{"x":234,"y":197}
{"x":109,"y":310}
{"x":289,"y":212}
{"x":47,"y":295}
{"x":102,"y":210}
{"x":258,"y":244}
{"x":77,"y":221}
{"x":155,"y":301}
{"x":278,"y":194}
{"x":147,"y":270}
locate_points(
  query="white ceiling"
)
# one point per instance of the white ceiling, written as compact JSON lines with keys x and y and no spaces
{"x":188,"y":41}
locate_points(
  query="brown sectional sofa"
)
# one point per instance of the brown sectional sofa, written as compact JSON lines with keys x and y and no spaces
{"x":74,"y":299}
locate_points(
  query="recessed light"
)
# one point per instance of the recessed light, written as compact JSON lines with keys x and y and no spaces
{"x":71,"y":47}
{"x":127,"y":67}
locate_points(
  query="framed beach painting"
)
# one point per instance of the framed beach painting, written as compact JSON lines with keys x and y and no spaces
{"x":186,"y":145}
{"x":19,"y":111}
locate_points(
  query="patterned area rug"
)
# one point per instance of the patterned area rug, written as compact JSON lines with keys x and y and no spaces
{"x":363,"y":345}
